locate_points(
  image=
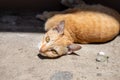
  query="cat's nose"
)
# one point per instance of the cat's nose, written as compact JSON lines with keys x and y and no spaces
{"x":42,"y":49}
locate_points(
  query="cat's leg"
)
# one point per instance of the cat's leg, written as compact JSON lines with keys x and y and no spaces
{"x":45,"y":15}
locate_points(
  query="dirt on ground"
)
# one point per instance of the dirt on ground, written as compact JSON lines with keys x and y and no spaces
{"x":20,"y":59}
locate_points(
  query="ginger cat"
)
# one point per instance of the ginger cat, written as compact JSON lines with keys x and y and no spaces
{"x":86,"y":24}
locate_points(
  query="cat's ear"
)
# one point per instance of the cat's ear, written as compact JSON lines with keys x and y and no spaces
{"x":73,"y":47}
{"x":60,"y":27}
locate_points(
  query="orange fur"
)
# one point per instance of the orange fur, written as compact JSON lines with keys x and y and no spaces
{"x":88,"y":24}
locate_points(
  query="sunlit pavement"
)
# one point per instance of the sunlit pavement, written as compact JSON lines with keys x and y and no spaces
{"x":19,"y":60}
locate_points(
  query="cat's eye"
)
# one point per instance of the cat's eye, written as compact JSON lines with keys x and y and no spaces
{"x":54,"y":51}
{"x":47,"y":39}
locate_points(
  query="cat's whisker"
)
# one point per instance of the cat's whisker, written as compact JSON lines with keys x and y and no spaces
{"x":39,"y":45}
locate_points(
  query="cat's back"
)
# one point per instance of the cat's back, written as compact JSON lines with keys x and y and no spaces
{"x":93,"y":23}
{"x":85,"y":12}
{"x":96,"y":24}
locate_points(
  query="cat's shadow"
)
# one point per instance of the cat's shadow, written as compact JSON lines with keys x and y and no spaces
{"x":43,"y":57}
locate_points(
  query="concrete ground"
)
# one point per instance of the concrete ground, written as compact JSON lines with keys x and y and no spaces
{"x":20,"y":60}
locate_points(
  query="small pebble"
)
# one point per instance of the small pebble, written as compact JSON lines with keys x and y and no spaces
{"x":101,"y":57}
{"x":97,"y":67}
{"x":101,"y":53}
{"x":99,"y":74}
{"x":20,"y":49}
{"x":62,"y":75}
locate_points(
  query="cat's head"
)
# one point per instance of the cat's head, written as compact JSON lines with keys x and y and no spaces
{"x":55,"y":43}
